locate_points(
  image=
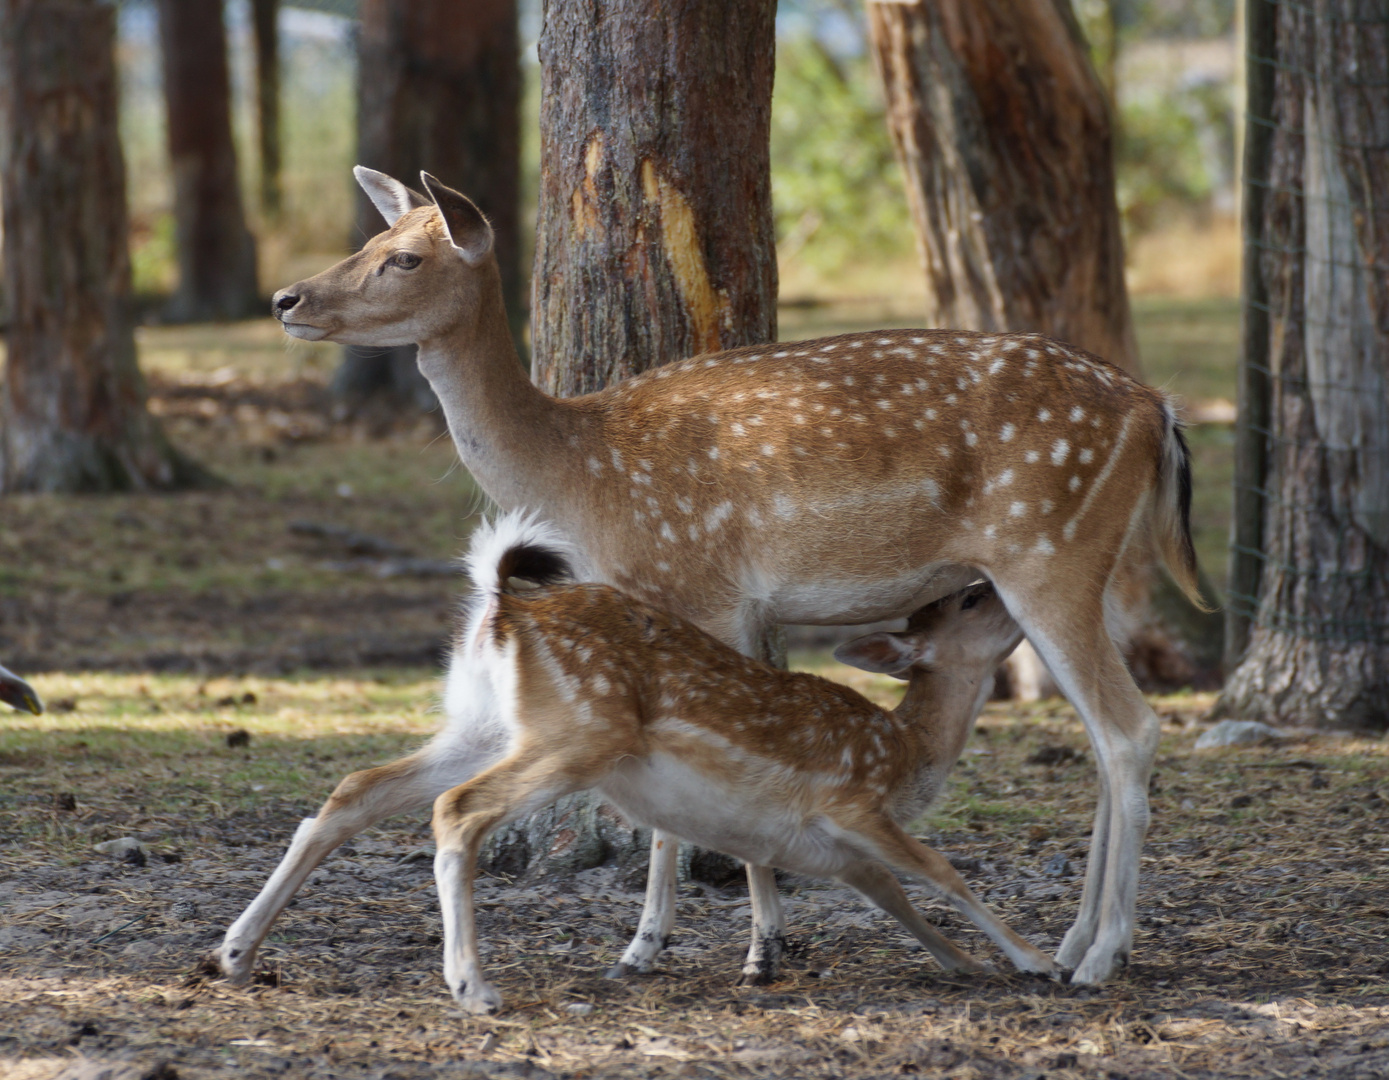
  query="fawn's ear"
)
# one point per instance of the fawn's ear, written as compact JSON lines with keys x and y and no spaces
{"x":887,"y":654}
{"x":468,"y":229}
{"x":388,"y":195}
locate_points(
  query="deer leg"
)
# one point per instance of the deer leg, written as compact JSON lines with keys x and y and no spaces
{"x":1123,"y":732}
{"x":768,"y":928}
{"x":463,"y":817}
{"x":657,"y":914}
{"x":358,"y":802}
{"x":875,"y":883}
{"x":910,"y":856}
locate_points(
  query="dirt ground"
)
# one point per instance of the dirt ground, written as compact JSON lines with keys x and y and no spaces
{"x":303,"y":604}
{"x":1262,"y":946}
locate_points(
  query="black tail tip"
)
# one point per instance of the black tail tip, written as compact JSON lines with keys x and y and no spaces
{"x":530,"y":566}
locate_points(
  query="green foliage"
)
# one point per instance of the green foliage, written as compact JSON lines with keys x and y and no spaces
{"x":836,"y":187}
{"x":152,"y":255}
{"x":1175,"y":149}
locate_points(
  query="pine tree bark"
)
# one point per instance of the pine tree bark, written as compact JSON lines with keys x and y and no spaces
{"x":655,"y":235}
{"x":265,"y":18}
{"x":1318,"y":652}
{"x":216,"y":253}
{"x":1004,"y":134}
{"x":72,"y":404}
{"x":439,"y":90}
{"x":656,"y":243}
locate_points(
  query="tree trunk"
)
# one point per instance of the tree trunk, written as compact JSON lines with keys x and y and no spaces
{"x":1003,"y":132}
{"x":656,"y":243}
{"x":265,"y":15}
{"x":1319,"y":648}
{"x":440,"y":91}
{"x":655,"y":235}
{"x":72,"y":406}
{"x":216,"y":254}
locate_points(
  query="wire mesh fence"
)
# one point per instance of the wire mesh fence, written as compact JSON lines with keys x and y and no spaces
{"x":1311,"y":518}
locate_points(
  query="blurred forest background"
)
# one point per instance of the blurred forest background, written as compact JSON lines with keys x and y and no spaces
{"x":843,"y":229}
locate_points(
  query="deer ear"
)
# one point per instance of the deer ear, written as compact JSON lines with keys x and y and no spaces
{"x":468,"y":230}
{"x":887,"y":654}
{"x":388,"y":195}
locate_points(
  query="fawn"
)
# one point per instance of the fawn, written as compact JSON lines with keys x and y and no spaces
{"x":683,"y":733}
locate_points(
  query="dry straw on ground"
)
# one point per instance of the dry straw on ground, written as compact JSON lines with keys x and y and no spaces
{"x":1262,"y":950}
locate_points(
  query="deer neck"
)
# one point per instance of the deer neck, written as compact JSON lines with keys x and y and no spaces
{"x":940,"y":707}
{"x":515,"y":440}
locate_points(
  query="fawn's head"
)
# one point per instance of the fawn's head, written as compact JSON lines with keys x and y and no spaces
{"x":431,"y":272}
{"x":969,"y":630}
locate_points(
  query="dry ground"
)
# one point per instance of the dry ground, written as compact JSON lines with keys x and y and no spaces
{"x":1262,"y":948}
{"x":177,"y":621}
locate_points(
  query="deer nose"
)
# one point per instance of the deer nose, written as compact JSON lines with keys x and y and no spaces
{"x":284,"y":302}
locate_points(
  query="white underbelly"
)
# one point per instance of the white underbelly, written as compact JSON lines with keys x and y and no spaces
{"x":662,"y":793}
{"x":831,"y":600}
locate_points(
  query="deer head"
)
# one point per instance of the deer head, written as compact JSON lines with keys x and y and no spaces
{"x":431,"y":273}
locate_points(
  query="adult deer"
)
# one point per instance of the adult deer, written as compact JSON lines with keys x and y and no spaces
{"x":846,"y":479}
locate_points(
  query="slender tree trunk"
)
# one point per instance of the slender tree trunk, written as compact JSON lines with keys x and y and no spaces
{"x":439,"y":90}
{"x":1318,"y":652}
{"x":265,"y":15}
{"x":72,"y":405}
{"x":655,"y":235}
{"x":656,"y":243}
{"x":216,"y":254}
{"x":1003,"y":131}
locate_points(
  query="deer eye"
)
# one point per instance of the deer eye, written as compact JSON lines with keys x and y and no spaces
{"x":969,"y":601}
{"x":406,"y":260}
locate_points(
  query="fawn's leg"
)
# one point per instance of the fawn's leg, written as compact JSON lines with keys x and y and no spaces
{"x":522,"y":784}
{"x":875,"y":883}
{"x":358,"y":802}
{"x":911,"y":856}
{"x":658,"y":912}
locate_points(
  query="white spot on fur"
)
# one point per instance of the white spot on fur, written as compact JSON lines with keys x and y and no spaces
{"x":1017,"y":509}
{"x":1044,"y":547}
{"x":1005,"y":433}
{"x":718,"y":516}
{"x":1044,"y":414}
{"x":1074,"y":483}
{"x":1077,"y":415}
{"x":1060,"y":450}
{"x":1086,"y":456}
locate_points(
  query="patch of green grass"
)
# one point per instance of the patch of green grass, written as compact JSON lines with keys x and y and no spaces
{"x":152,"y":746}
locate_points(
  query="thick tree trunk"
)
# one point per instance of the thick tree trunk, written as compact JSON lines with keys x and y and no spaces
{"x":72,"y":406}
{"x":1319,"y":648}
{"x":440,"y":91}
{"x":216,"y":254}
{"x":1003,"y":131}
{"x":655,"y":235}
{"x":265,"y":15}
{"x":656,"y":243}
